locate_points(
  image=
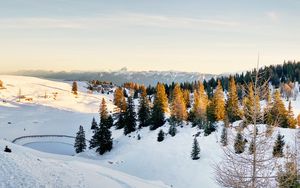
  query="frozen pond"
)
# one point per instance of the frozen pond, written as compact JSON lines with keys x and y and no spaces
{"x":52,"y":147}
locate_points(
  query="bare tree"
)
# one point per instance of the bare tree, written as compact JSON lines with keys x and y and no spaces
{"x":256,"y":168}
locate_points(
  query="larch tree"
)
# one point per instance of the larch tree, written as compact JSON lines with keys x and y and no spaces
{"x":251,"y":105}
{"x":118,"y":97}
{"x":219,"y":102}
{"x":232,"y":105}
{"x":200,"y":104}
{"x":74,"y":88}
{"x":160,"y":106}
{"x":161,"y":96}
{"x":178,"y":108}
{"x":186,"y":97}
{"x":290,"y":116}
{"x":279,"y":112}
{"x":242,"y":169}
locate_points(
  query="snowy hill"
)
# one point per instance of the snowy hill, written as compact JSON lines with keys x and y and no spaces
{"x":61,"y":113}
{"x":28,"y":168}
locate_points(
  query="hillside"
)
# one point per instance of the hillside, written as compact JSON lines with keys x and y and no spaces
{"x":168,"y":161}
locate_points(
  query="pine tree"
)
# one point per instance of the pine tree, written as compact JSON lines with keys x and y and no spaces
{"x":160,"y":136}
{"x":278,"y":146}
{"x":219,"y":103}
{"x":144,"y":109}
{"x":195,"y":150}
{"x":94,"y":124}
{"x":232,"y":105}
{"x":74,"y":88}
{"x":178,"y":105}
{"x":239,"y":143}
{"x":224,"y":137}
{"x":130,"y":117}
{"x":80,"y":144}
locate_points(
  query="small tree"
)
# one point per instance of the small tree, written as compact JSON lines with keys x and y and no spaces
{"x":239,"y":143}
{"x":195,"y":150}
{"x":172,"y":130}
{"x":160,"y":136}
{"x":80,"y":144}
{"x":94,"y":124}
{"x":130,"y":117}
{"x":278,"y":146}
{"x":209,"y":128}
{"x":224,"y":137}
{"x":74,"y":88}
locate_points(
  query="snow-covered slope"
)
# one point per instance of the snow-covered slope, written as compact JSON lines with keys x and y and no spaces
{"x":168,"y":161}
{"x":26,"y":168}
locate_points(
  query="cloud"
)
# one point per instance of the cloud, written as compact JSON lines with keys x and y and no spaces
{"x":117,"y":20}
{"x":273,"y":16}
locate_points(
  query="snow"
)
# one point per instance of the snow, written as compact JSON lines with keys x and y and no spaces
{"x":148,"y":162}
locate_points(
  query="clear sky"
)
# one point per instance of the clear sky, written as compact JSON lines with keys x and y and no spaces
{"x":212,"y":36}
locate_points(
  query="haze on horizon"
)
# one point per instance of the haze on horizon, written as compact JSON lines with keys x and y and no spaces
{"x":194,"y":36}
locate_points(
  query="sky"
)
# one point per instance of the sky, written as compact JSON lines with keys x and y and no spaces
{"x":216,"y":36}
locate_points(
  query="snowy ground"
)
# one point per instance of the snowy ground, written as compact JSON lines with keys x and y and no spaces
{"x":168,"y":161}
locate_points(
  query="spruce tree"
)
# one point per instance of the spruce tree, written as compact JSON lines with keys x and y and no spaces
{"x":278,"y":146}
{"x":209,"y":128}
{"x":94,"y":124}
{"x":172,"y":129}
{"x":195,"y":150}
{"x":80,"y":144}
{"x":144,"y":109}
{"x":157,"y":115}
{"x":130,"y":117}
{"x":102,"y":140}
{"x":121,"y":116}
{"x":232,"y":104}
{"x":74,"y":88}
{"x":239,"y":143}
{"x":224,"y":137}
{"x":160,"y":136}
{"x":110,"y":121}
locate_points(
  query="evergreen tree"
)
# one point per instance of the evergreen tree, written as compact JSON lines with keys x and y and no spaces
{"x":144,"y":109}
{"x":219,"y":102}
{"x":130,"y":117}
{"x":278,"y":146}
{"x":94,"y":124}
{"x":239,"y":143}
{"x":195,"y":150}
{"x":157,"y":115}
{"x":210,"y":112}
{"x":232,"y":105}
{"x":172,"y":130}
{"x":74,"y":88}
{"x":121,"y":116}
{"x":160,"y":136}
{"x":224,"y":137}
{"x":80,"y":144}
{"x":178,"y":110}
{"x":110,"y":121}
{"x":102,"y":140}
{"x":209,"y":128}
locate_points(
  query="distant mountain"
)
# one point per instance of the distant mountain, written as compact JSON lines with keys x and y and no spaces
{"x":122,"y":76}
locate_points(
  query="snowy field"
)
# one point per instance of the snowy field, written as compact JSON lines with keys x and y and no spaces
{"x":55,"y":110}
